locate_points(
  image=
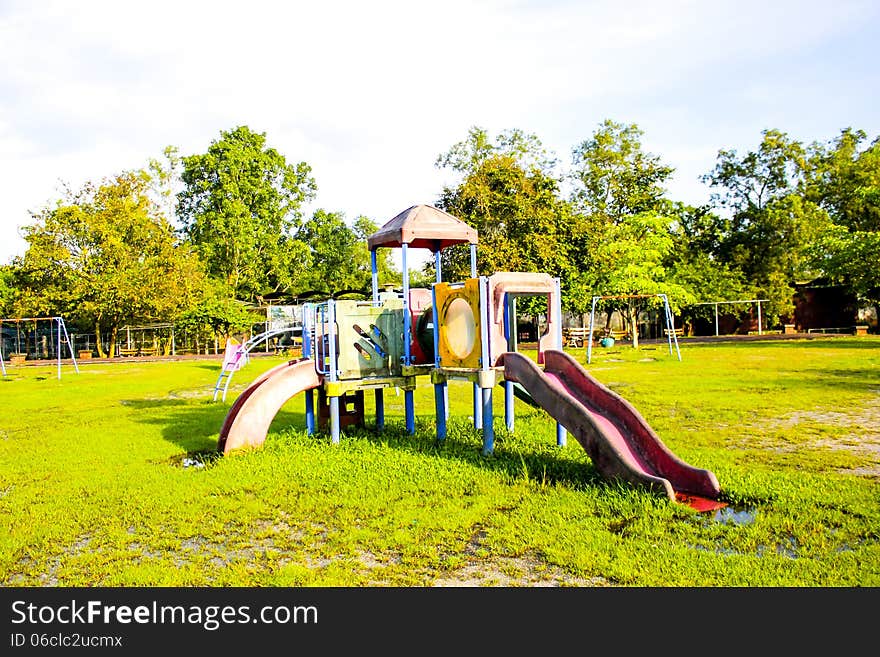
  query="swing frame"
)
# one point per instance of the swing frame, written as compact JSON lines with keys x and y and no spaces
{"x":667,"y":311}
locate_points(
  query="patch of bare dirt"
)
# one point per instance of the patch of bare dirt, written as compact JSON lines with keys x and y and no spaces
{"x":863,"y":437}
{"x":514,"y":571}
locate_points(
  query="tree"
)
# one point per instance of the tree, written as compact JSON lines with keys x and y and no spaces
{"x":613,"y":177}
{"x":7,"y":290}
{"x":510,"y":195}
{"x":695,"y":265}
{"x":771,"y":224}
{"x":216,"y":314}
{"x":104,"y":256}
{"x":240,"y":207}
{"x":844,"y":180}
{"x":850,"y":257}
{"x":338,"y":255}
{"x":622,"y":238}
{"x":387,"y":273}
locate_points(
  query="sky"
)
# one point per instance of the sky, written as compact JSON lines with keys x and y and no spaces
{"x":369,"y":94}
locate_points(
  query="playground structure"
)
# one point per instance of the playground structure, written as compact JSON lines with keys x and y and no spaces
{"x":34,"y":338}
{"x":456,"y":331}
{"x":237,"y":355}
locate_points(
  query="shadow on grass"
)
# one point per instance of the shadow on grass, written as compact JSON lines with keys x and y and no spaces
{"x":195,"y":428}
{"x":852,"y":379}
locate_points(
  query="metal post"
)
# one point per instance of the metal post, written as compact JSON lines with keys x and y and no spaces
{"x":509,"y":397}
{"x":716,"y":320}
{"x":590,"y":337}
{"x":437,"y":277}
{"x":57,"y":344}
{"x":310,"y":412}
{"x":478,"y":402}
{"x":334,"y":375}
{"x":509,"y":335}
{"x":407,"y":321}
{"x":69,"y":344}
{"x":307,"y":323}
{"x":670,"y":319}
{"x":375,"y":277}
{"x":441,"y":390}
{"x":486,"y":396}
{"x":380,"y":409}
{"x":440,"y":410}
{"x":759,"y":317}
{"x":488,"y":430}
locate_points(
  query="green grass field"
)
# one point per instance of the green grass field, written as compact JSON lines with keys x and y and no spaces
{"x":109,"y":478}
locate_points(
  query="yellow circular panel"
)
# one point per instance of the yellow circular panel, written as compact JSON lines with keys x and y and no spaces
{"x":461,"y":329}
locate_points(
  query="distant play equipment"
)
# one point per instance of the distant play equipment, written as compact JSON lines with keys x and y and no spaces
{"x":237,"y":355}
{"x":35,"y":338}
{"x":608,"y":341}
{"x":456,"y":331}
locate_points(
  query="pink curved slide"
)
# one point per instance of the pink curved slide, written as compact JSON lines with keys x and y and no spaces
{"x":612,"y":432}
{"x":247,"y":422}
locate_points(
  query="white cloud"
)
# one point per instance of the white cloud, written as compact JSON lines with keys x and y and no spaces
{"x":369,"y":94}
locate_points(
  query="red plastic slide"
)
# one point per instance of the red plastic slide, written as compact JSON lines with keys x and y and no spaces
{"x":615,"y":436}
{"x":248,"y":420}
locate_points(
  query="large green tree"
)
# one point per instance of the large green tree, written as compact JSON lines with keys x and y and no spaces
{"x":338,"y":255}
{"x":622,"y":239}
{"x":695,"y":265}
{"x":7,"y":290}
{"x":104,"y":256}
{"x":509,"y":193}
{"x":843,"y":178}
{"x":771,"y":225}
{"x":240,"y":207}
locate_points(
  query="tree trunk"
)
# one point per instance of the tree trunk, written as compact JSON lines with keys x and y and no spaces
{"x":634,"y":325}
{"x":98,"y":342}
{"x":112,"y":346}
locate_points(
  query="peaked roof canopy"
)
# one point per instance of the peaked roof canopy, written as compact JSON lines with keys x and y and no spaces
{"x":423,"y":227}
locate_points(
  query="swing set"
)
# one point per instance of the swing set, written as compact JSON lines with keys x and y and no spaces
{"x":39,"y":338}
{"x":671,"y":335}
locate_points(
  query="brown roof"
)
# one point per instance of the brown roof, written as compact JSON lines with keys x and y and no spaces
{"x":423,"y":227}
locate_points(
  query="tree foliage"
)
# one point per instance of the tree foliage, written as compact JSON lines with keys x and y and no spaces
{"x":613,"y":177}
{"x":771,"y":225}
{"x":240,"y":207}
{"x":622,"y":240}
{"x":104,"y":256}
{"x":508,"y":193}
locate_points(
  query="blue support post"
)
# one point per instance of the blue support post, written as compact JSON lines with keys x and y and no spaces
{"x":310,"y":412}
{"x":509,"y":312}
{"x":488,"y":430}
{"x":307,"y":353}
{"x":374,"y":266}
{"x":410,"y":411}
{"x":409,"y":405}
{"x":561,"y":434}
{"x":407,"y":320}
{"x":440,"y":409}
{"x":380,"y":409}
